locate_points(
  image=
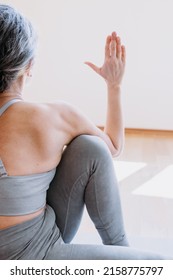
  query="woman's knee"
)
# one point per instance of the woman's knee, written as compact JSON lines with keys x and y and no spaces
{"x":92,"y":146}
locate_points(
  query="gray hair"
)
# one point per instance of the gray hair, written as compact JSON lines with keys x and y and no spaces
{"x":17,"y":45}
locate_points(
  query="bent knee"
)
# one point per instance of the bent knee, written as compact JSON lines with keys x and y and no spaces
{"x":91,"y":145}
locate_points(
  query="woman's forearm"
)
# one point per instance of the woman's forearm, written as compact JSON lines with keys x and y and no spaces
{"x":112,"y":71}
{"x":114,"y":118}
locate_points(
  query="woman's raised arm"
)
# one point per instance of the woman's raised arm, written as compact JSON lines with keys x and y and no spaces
{"x":76,"y":123}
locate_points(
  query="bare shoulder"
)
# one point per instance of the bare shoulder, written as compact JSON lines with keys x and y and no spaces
{"x":66,"y":119}
{"x":44,"y":112}
{"x":63,"y":121}
{"x":62,"y":109}
{"x":54,"y":109}
{"x":55,"y":117}
{"x":62,"y":114}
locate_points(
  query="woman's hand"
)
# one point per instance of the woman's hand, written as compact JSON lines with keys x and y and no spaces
{"x":115,"y":56}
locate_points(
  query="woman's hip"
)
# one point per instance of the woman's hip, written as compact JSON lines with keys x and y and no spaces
{"x":30,"y":239}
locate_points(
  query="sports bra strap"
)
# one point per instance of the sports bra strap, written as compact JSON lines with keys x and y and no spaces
{"x":8,"y":104}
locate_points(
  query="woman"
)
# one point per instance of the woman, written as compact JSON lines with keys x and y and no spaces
{"x":32,"y":157}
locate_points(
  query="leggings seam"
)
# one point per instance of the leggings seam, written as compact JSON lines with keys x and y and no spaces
{"x":95,"y":192}
{"x":68,"y":206}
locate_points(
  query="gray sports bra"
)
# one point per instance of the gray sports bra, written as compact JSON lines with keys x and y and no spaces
{"x":21,"y":195}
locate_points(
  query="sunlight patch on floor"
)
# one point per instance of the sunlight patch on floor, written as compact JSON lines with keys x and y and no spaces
{"x":126,"y":168}
{"x":161,"y":185}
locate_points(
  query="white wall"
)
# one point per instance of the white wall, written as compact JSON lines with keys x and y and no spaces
{"x":72,"y":31}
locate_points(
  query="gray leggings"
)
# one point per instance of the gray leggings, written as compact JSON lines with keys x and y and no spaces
{"x":86,"y":176}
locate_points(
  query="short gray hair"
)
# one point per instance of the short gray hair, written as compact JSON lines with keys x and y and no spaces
{"x":18,"y":41}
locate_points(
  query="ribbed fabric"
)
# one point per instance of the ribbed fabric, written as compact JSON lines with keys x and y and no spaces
{"x":21,"y":195}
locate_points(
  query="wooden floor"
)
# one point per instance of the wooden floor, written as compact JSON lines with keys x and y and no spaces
{"x":145,"y":175}
{"x":152,"y":204}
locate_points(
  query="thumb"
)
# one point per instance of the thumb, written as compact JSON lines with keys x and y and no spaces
{"x":92,"y":66}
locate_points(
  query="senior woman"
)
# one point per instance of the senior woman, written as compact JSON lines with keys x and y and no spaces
{"x":43,"y":188}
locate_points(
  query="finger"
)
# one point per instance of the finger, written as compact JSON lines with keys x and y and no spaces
{"x":114,"y":35}
{"x":93,"y":66}
{"x":118,"y":47}
{"x":113,"y":44}
{"x":107,"y":47}
{"x":123,"y":53}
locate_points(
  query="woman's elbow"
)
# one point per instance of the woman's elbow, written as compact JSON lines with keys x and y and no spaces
{"x":116,"y":151}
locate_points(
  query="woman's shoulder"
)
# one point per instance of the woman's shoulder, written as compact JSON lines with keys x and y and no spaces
{"x":55,"y":117}
{"x":41,"y":109}
{"x":58,"y":111}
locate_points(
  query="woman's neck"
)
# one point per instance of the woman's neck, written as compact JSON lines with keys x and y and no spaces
{"x":15,"y":91}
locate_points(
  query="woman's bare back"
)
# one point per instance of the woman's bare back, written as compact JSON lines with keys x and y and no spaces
{"x":29,"y":144}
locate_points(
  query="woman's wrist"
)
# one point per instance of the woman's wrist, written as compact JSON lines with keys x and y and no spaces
{"x":114,"y":88}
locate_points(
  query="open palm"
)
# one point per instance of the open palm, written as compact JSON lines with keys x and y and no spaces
{"x":114,"y":64}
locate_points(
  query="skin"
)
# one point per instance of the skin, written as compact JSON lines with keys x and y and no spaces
{"x":33,"y":135}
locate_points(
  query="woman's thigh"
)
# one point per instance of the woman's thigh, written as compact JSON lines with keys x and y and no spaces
{"x":86,"y":175}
